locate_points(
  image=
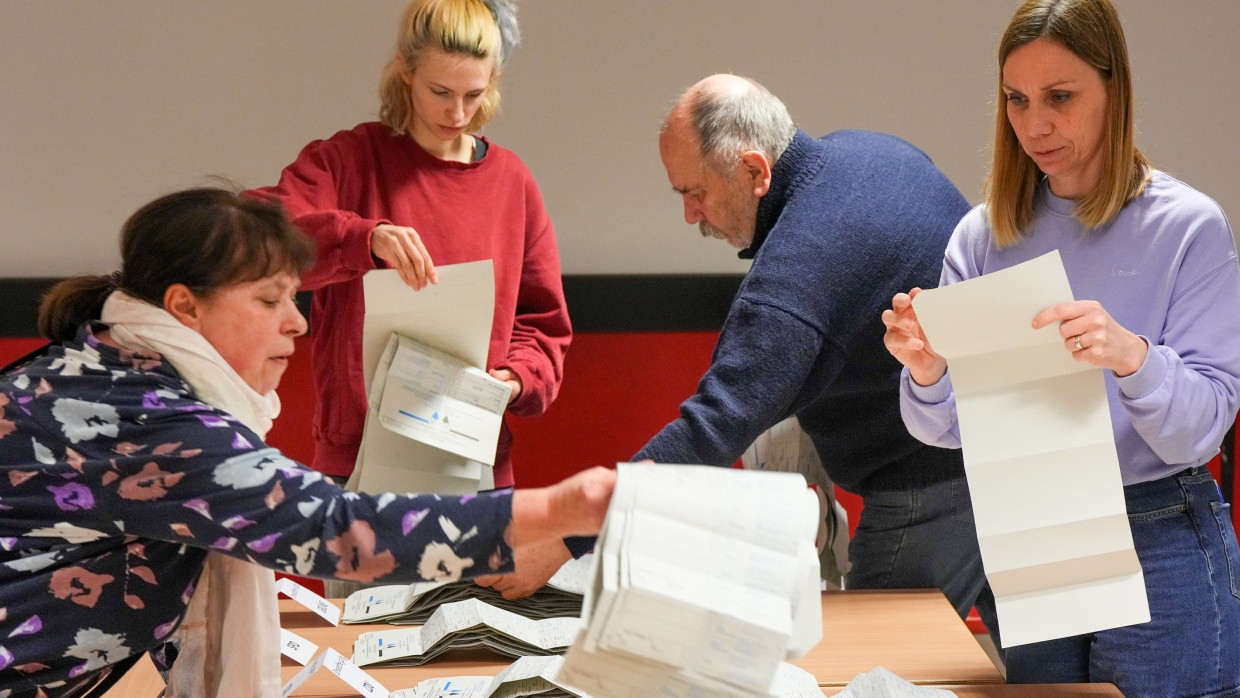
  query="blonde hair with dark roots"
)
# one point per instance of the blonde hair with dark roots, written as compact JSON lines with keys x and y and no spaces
{"x":1091,"y":30}
{"x":463,"y":27}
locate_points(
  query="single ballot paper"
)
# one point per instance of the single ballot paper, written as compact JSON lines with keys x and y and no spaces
{"x":1039,"y":453}
{"x":331,"y":660}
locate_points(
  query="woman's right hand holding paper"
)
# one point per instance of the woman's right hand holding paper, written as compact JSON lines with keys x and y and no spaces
{"x":906,"y":341}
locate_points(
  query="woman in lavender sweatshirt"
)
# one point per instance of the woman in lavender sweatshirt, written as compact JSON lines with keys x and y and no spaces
{"x":1156,"y":262}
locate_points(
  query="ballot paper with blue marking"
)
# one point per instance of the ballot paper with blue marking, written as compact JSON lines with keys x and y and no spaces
{"x":704,"y":581}
{"x":433,"y":397}
{"x":1039,"y":454}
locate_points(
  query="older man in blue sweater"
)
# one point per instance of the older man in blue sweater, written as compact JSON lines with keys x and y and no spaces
{"x":835,"y":227}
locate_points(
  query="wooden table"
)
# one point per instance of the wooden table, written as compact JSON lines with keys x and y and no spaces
{"x":915,"y":634}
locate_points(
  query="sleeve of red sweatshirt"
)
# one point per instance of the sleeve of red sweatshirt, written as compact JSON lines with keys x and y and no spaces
{"x":541,"y":329}
{"x":314,"y":191}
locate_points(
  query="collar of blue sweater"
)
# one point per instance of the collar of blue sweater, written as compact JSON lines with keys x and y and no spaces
{"x":800,"y":160}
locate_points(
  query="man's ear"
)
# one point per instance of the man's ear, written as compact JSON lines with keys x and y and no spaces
{"x":182,"y":304}
{"x":758,"y":172}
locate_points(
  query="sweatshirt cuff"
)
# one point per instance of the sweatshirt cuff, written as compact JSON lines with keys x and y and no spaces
{"x":359,"y":256}
{"x":927,"y":394}
{"x":532,"y":400}
{"x":1144,"y":380}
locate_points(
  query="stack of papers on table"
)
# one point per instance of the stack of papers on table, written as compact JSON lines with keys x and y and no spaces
{"x":414,"y":603}
{"x":536,"y":676}
{"x":705,"y":580}
{"x":465,"y":624}
{"x":528,"y":676}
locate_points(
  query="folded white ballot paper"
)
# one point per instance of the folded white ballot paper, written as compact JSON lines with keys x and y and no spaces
{"x":463,"y":624}
{"x":429,"y":426}
{"x":704,"y":580}
{"x":1039,"y":453}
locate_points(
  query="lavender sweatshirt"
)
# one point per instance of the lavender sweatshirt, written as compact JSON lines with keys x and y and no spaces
{"x":1165,"y":268}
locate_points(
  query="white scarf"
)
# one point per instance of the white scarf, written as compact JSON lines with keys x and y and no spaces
{"x":232,"y":595}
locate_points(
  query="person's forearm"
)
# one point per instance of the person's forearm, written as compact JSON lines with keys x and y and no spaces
{"x":531,"y":517}
{"x":575,"y":506}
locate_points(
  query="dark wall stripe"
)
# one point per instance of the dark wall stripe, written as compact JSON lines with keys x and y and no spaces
{"x":19,"y":305}
{"x":649,"y":303}
{"x":596,"y":302}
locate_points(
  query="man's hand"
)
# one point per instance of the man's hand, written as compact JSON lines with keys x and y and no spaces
{"x":535,"y":565}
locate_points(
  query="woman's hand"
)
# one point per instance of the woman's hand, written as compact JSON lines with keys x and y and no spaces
{"x":541,"y":518}
{"x":534,"y":566}
{"x":906,"y":341}
{"x":511,"y":378}
{"x":402,"y":248}
{"x":1094,"y":337}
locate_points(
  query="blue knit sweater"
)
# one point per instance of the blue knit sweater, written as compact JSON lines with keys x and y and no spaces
{"x":850,"y":220}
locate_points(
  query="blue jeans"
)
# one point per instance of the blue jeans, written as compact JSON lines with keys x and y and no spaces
{"x":923,"y":538}
{"x":1191,"y":647}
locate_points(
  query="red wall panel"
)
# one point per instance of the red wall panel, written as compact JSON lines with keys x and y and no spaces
{"x":13,"y":348}
{"x":619,"y":389}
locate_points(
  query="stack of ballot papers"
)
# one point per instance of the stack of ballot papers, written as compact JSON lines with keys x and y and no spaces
{"x":528,"y":676}
{"x":536,"y":676}
{"x":704,"y":580}
{"x":465,"y":624}
{"x":414,"y":603}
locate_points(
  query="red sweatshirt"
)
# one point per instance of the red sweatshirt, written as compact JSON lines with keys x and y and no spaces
{"x":341,"y":188}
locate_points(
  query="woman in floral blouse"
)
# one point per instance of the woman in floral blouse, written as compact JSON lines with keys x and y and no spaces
{"x":132,"y":453}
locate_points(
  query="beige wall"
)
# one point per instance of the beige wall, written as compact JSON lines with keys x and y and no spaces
{"x":106,"y":104}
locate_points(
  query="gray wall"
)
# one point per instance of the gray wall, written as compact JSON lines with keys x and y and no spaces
{"x":107,"y":104}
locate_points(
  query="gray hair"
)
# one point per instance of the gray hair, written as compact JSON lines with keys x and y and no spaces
{"x":729,"y":123}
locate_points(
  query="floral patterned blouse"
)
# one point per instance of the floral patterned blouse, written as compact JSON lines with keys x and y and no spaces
{"x":115,"y":482}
